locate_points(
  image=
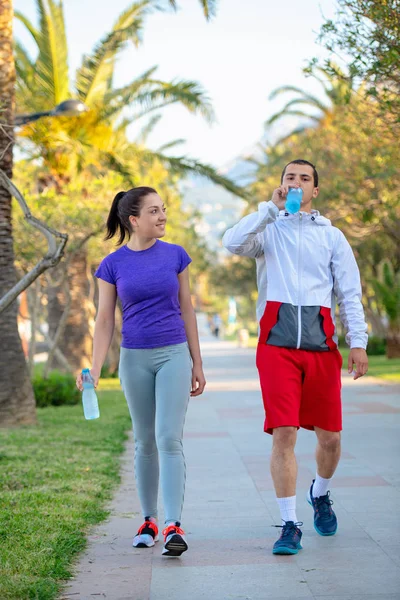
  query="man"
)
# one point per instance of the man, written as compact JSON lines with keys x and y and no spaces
{"x":303,"y":263}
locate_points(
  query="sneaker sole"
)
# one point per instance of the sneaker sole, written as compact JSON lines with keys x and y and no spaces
{"x":286,"y":551}
{"x":318,"y":530}
{"x":175,"y":546}
{"x":143,"y":545}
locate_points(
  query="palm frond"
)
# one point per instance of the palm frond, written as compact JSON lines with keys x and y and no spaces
{"x":151,"y":95}
{"x":94,"y":77}
{"x":116,"y":100}
{"x":147,"y":129}
{"x":135,"y":12}
{"x":209,"y":7}
{"x":25,"y":81}
{"x":182,"y":165}
{"x":312,"y":100}
{"x":286,"y":110}
{"x":188,"y":93}
{"x":171,"y":144}
{"x":35,"y":33}
{"x":51,"y":64}
{"x":291,"y":113}
{"x":60,"y":51}
{"x":24,"y":65}
{"x":283,"y":90}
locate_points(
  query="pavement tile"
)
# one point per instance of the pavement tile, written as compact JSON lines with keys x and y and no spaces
{"x":249,"y":582}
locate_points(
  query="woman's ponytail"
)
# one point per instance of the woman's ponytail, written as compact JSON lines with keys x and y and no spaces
{"x":114,"y":221}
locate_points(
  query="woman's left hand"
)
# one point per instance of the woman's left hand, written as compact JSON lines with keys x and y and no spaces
{"x":198,"y":380}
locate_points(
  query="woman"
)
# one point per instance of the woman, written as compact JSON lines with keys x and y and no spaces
{"x":160,"y":362}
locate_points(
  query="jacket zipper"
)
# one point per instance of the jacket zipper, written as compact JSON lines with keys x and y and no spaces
{"x":299,"y":265}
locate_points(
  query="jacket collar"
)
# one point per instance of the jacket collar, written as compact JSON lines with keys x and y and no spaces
{"x":313,"y":217}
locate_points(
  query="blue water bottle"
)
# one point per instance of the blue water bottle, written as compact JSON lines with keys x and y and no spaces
{"x":89,"y":398}
{"x":293,"y":200}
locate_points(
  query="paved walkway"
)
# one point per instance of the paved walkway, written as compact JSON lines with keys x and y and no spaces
{"x":230,"y":508}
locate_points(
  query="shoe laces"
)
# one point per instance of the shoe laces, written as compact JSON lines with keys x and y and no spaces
{"x":146,"y":526}
{"x":173,"y":529}
{"x":290,"y":529}
{"x":323,"y":506}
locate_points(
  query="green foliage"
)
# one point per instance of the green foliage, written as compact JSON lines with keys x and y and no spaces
{"x":107,"y":374}
{"x":368,"y":31}
{"x":376,"y":345}
{"x":57,"y":390}
{"x":387,"y":290}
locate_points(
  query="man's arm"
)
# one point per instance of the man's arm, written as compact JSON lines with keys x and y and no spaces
{"x":347,"y":289}
{"x":246,"y":238}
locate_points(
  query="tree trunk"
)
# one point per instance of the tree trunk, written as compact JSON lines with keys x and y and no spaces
{"x":393,"y":344}
{"x":76,"y":342}
{"x":17,"y":402}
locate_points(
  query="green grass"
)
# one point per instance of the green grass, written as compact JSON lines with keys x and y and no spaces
{"x":379,"y":366}
{"x":55,"y":479}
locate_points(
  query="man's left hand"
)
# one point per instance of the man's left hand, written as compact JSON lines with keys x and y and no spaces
{"x":359,"y":358}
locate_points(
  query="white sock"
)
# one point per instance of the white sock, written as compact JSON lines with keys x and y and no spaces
{"x":287,"y":506}
{"x":321,"y":486}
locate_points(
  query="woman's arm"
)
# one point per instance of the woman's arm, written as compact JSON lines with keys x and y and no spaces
{"x":103,"y":329}
{"x":189,"y":318}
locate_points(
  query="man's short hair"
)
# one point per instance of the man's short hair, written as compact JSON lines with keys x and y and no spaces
{"x":301,"y":161}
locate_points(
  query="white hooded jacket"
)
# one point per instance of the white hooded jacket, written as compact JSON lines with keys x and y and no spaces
{"x":303,"y":263}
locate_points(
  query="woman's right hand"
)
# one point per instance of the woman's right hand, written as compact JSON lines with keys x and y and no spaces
{"x":95,"y":377}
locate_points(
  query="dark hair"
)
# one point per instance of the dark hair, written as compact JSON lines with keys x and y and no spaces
{"x":125,"y":205}
{"x":300,"y":161}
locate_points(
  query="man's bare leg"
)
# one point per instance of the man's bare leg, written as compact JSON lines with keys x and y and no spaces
{"x":328,"y":452}
{"x":283,"y":461}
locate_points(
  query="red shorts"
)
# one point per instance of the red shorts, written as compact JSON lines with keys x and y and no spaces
{"x":300,"y":388}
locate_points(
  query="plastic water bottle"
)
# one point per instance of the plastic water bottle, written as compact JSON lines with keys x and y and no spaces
{"x":89,"y":398}
{"x":293,"y":200}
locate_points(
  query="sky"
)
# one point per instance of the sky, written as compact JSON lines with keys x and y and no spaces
{"x":249,"y":49}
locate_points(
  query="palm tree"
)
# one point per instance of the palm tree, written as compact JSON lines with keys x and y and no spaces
{"x":17,"y":404}
{"x":43,"y":83}
{"x":338,"y":88}
{"x":98,"y":137}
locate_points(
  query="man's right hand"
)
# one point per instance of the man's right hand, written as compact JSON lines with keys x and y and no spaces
{"x":279,"y":196}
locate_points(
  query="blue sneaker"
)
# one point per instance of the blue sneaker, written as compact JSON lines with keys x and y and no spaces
{"x":325,"y":521}
{"x":289,"y":542}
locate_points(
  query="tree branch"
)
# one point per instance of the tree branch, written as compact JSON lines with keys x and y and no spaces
{"x":53,"y":255}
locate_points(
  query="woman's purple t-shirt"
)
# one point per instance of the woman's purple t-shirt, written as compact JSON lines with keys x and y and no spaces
{"x":147,"y":285}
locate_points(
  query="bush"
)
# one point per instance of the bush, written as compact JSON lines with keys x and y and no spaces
{"x":56,"y":390}
{"x":376,"y":345}
{"x":107,"y":374}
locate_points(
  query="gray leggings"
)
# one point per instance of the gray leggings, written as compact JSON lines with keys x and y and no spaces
{"x":156,"y":383}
